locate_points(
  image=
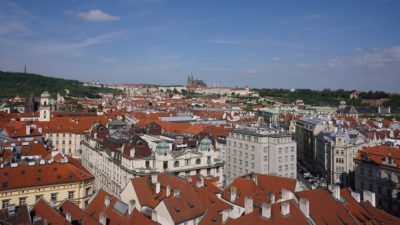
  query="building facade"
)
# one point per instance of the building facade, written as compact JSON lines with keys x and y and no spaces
{"x":261,"y":152}
{"x":378,"y":170}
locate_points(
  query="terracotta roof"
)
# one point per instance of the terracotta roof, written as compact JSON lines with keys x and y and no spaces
{"x":77,"y":214}
{"x":324,"y":209}
{"x":295,"y":216}
{"x":24,"y":176}
{"x":43,"y":210}
{"x":376,"y":154}
{"x":266,"y":184}
{"x":97,"y":206}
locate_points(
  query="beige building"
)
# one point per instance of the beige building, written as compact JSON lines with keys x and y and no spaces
{"x":267,"y":152}
{"x":53,"y":180}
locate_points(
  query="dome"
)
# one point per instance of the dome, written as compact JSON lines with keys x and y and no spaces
{"x":45,"y":94}
{"x":205,"y":144}
{"x":162,"y":148}
{"x":342,"y":103}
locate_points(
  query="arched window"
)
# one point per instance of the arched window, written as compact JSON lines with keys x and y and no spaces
{"x":198,"y":161}
{"x":176,"y":164}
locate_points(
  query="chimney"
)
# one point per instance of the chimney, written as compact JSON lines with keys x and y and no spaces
{"x":286,"y":195}
{"x":255,"y":178}
{"x":233,"y":193}
{"x":285,"y":208}
{"x":369,"y":196}
{"x":272,"y":197}
{"x":154,"y":215}
{"x":199,"y":184}
{"x":266,"y":210}
{"x":131,"y":205}
{"x":158,"y":187}
{"x":168,"y":192}
{"x":107,"y":201}
{"x":248,"y":205}
{"x":336,"y":192}
{"x":305,"y":207}
{"x":40,"y":129}
{"x":28,"y":130}
{"x":189,"y":179}
{"x":68,"y":217}
{"x":356,"y":196}
{"x":225,"y":215}
{"x":154,"y":178}
{"x":102,"y":218}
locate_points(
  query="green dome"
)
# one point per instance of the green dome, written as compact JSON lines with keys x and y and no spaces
{"x":162,"y":148}
{"x":45,"y":94}
{"x":205,"y":144}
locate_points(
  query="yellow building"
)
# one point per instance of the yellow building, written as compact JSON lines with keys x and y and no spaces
{"x":53,"y":180}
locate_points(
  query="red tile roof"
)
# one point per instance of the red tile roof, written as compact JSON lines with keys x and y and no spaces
{"x":376,"y":154}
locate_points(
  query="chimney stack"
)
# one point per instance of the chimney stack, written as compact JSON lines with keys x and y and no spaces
{"x":305,"y":207}
{"x":255,"y":178}
{"x":68,"y":217}
{"x":356,"y":196}
{"x":168,"y":191}
{"x":107,"y":201}
{"x":154,"y":178}
{"x":28,"y":130}
{"x":336,"y":192}
{"x":266,"y":210}
{"x":286,"y":195}
{"x":102,"y":218}
{"x":158,"y":187}
{"x":248,"y":205}
{"x":285,"y":208}
{"x":233,"y":194}
{"x":369,"y":196}
{"x":272,"y":197}
{"x":177,"y":193}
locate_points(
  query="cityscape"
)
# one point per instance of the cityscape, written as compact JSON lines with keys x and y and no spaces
{"x":199,"y":113}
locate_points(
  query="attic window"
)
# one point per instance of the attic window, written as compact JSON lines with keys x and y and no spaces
{"x":54,"y":168}
{"x":59,"y":177}
{"x":23,"y":172}
{"x":39,"y":179}
{"x":39,"y":170}
{"x":190,"y":205}
{"x":5,"y":174}
{"x":5,"y":184}
{"x":177,"y":210}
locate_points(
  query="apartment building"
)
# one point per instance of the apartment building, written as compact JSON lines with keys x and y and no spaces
{"x":378,"y":170}
{"x":268,"y":152}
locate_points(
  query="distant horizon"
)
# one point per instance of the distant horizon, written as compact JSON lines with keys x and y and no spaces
{"x":184,"y":84}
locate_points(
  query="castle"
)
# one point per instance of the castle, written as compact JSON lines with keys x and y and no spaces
{"x":193,"y":83}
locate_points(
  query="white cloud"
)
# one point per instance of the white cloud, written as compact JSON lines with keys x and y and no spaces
{"x":335,"y":63}
{"x":359,"y":50}
{"x":276,"y":58}
{"x":313,"y":17}
{"x":96,"y":15}
{"x":378,"y":58}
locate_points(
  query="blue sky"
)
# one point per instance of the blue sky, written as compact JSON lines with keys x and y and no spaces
{"x":273,"y":44}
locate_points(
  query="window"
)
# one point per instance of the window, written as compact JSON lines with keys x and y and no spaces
{"x":208,"y":159}
{"x":292,"y":149}
{"x":208,"y":171}
{"x":292,"y":158}
{"x":280,"y":168}
{"x":53,"y":197}
{"x":265,"y":149}
{"x":37,"y":197}
{"x":147,"y":164}
{"x":176,"y":164}
{"x":286,"y":149}
{"x":246,"y":147}
{"x":198,"y":161}
{"x":279,"y":159}
{"x":165,"y":165}
{"x":5,"y":203}
{"x":280,"y":151}
{"x":87,"y":191}
{"x":252,"y":148}
{"x":252,"y":157}
{"x":22,"y":201}
{"x":240,"y":145}
{"x":71,"y":195}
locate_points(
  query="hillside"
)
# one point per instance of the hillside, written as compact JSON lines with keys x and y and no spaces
{"x":23,"y":84}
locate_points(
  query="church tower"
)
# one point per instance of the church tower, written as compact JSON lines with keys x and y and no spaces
{"x":44,"y":108}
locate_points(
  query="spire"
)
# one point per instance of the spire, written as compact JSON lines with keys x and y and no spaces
{"x":25,"y":68}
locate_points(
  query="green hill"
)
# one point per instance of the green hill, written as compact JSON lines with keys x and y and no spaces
{"x":23,"y":84}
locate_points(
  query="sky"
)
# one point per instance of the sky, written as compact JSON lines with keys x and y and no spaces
{"x":263,"y":44}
